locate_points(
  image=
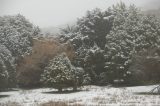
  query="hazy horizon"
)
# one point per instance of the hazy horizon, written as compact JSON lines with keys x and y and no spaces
{"x":46,"y":13}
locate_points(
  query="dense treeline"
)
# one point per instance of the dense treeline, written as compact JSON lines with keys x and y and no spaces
{"x":110,"y":45}
{"x":116,"y":46}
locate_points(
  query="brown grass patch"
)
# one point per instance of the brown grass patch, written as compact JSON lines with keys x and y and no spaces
{"x":10,"y":104}
{"x":60,"y":103}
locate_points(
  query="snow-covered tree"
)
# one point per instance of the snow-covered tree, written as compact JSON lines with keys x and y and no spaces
{"x":60,"y":73}
{"x":145,"y":67}
{"x":95,"y":25}
{"x":94,"y":62}
{"x":3,"y":75}
{"x":88,"y":40}
{"x":7,"y":68}
{"x":119,"y":33}
{"x":132,"y":32}
{"x":16,"y":34}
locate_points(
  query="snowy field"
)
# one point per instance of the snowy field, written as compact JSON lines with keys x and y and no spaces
{"x":88,"y":96}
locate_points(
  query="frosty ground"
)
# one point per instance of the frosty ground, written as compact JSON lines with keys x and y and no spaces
{"x":87,"y":96}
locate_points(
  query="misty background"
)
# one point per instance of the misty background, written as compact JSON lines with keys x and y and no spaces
{"x":51,"y":14}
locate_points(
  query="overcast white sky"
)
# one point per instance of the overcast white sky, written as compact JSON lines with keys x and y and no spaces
{"x":45,"y":13}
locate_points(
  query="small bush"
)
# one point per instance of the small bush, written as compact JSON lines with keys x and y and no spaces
{"x":60,"y":73}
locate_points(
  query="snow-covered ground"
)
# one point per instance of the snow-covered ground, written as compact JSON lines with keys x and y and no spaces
{"x":89,"y":96}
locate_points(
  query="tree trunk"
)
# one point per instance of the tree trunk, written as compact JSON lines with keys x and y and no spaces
{"x":59,"y":89}
{"x":75,"y":88}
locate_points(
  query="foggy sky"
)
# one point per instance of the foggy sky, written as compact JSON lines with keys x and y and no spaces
{"x":45,"y":13}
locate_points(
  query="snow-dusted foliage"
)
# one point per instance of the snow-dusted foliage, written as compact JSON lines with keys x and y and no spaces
{"x":60,"y":73}
{"x":145,"y":67}
{"x":94,"y":62}
{"x":88,"y":40}
{"x":68,"y":33}
{"x":7,"y":68}
{"x":132,"y":32}
{"x":107,"y":42}
{"x":16,"y":35}
{"x":95,"y":26}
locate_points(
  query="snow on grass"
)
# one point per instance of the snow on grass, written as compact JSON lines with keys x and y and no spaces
{"x":90,"y":95}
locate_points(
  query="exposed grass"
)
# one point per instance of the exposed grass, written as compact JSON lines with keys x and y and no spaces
{"x":50,"y":103}
{"x":147,"y":93}
{"x":54,"y":104}
{"x":63,"y":92}
{"x":99,"y":100}
{"x":60,"y":103}
{"x":8,"y":90}
{"x":3,"y":96}
{"x":10,"y":104}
